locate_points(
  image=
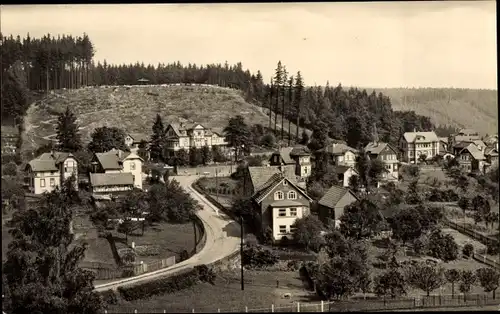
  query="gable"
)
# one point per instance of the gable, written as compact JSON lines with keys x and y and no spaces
{"x":284,"y":183}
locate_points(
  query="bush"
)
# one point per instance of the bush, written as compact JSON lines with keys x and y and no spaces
{"x":160,"y":286}
{"x":468,"y":250}
{"x":437,"y":195}
{"x":205,"y":274}
{"x":9,"y":169}
{"x":442,"y":246}
{"x":184,"y":255}
{"x":493,"y":249}
{"x":257,"y":257}
{"x":109,"y":297}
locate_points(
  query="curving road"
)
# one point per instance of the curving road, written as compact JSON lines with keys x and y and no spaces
{"x":223,"y":239}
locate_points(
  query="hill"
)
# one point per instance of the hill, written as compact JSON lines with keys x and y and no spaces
{"x":133,"y":109}
{"x":473,"y":108}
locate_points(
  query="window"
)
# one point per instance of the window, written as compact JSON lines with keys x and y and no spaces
{"x":282,"y":212}
{"x":132,"y":166}
{"x":42,"y":183}
{"x":293,"y":211}
{"x":305,"y":170}
{"x":292,"y":195}
{"x":52,"y":182}
{"x":278,"y":196}
{"x":388,"y":167}
{"x":292,"y":229}
{"x":282,"y":229}
{"x":285,"y":182}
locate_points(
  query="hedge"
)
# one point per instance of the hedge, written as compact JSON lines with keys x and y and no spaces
{"x":168,"y":285}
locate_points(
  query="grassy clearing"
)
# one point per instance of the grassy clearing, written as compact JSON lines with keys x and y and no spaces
{"x":462,"y":107}
{"x":222,"y":182}
{"x":226,"y":295}
{"x":134,"y":108}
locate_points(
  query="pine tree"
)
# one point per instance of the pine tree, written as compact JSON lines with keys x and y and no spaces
{"x":68,"y":136}
{"x":157,"y":139}
{"x":283,"y":100}
{"x":278,"y":83}
{"x":299,"y":95}
{"x":289,"y":106}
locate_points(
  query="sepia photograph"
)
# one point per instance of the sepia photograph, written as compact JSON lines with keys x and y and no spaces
{"x":250,"y":157}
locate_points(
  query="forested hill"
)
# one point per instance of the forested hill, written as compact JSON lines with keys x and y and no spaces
{"x":475,"y":108}
{"x":66,"y":62}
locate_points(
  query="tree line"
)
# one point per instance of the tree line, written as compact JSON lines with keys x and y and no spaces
{"x":67,"y":62}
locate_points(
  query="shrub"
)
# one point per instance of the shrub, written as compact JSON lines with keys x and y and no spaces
{"x":493,"y":249}
{"x":109,"y":297}
{"x":467,"y":250}
{"x":205,"y":274}
{"x":257,"y":257}
{"x":442,"y":246}
{"x":9,"y":169}
{"x":184,"y":255}
{"x":160,"y":286}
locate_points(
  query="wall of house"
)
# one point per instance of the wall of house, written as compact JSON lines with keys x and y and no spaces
{"x":134,"y":166}
{"x":336,"y":212}
{"x":390,"y":159}
{"x":347,"y":175}
{"x":41,"y":182}
{"x":282,"y":225}
{"x":111,"y":189}
{"x":68,"y":168}
{"x":348,"y":159}
{"x":112,"y":171}
{"x":266,"y":212}
{"x":412,"y":151}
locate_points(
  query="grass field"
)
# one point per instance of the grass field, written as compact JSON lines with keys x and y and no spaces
{"x":226,"y":295}
{"x":470,"y":108}
{"x":134,"y":109}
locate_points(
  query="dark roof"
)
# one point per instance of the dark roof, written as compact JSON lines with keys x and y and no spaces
{"x":299,"y":151}
{"x":107,"y":179}
{"x":333,"y":196}
{"x":138,"y":137}
{"x":260,"y":175}
{"x":376,"y":148}
{"x":474,"y":151}
{"x":339,"y":149}
{"x":48,"y":161}
{"x":268,"y":186}
{"x":112,"y":159}
{"x":285,"y":155}
{"x":462,"y":144}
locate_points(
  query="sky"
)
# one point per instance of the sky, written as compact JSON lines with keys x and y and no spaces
{"x":384,"y":44}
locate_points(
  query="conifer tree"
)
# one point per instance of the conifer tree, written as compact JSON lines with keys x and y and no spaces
{"x":299,"y":94}
{"x":289,"y":106}
{"x":157,"y":139}
{"x":278,"y":83}
{"x":283,"y":100}
{"x":68,"y":136}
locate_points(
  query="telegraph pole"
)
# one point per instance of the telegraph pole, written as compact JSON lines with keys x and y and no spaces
{"x":217,"y":185}
{"x":241,"y":254}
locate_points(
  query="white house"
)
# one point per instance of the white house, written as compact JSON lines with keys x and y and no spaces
{"x":342,"y":155}
{"x":416,"y":144}
{"x":185,"y":136}
{"x":109,"y":183}
{"x":118,"y":161}
{"x":47,"y":171}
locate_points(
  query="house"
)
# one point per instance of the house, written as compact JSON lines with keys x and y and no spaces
{"x":464,"y":135}
{"x":491,"y":156}
{"x":471,"y":159}
{"x":133,"y":140}
{"x":342,"y":155}
{"x":443,"y":145}
{"x":457,"y":147}
{"x":279,"y":202}
{"x":185,"y":136}
{"x":255,"y":177}
{"x":111,"y":183}
{"x":388,"y":155}
{"x":492,"y":141}
{"x":344,"y":174}
{"x":331,"y":205}
{"x":118,"y":161}
{"x":299,"y":157}
{"x":49,"y":170}
{"x":415,"y":144}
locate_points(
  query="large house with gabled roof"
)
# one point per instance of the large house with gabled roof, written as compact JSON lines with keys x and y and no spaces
{"x":187,"y":135}
{"x":416,"y":144}
{"x":277,"y":197}
{"x":299,"y":157}
{"x":342,"y":154}
{"x":49,"y":170}
{"x":388,"y":155}
{"x":114,"y":162}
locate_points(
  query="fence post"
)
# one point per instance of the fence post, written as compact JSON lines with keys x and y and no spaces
{"x":246,"y":309}
{"x":414,"y":302}
{"x":135,"y":311}
{"x":218,"y":310}
{"x":193,"y":311}
{"x":272,"y":308}
{"x":322,"y":306}
{"x":164,"y":311}
{"x":298,"y":307}
{"x":105,"y":311}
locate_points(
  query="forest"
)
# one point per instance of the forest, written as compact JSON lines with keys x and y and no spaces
{"x":34,"y":66}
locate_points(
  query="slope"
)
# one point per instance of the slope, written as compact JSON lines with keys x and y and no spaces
{"x":133,"y":109}
{"x":473,"y":108}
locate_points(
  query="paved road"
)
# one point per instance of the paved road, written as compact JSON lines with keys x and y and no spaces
{"x":223,"y":238}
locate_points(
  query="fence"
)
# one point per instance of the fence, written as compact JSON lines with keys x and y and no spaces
{"x":209,"y":198}
{"x":202,"y":236}
{"x":105,"y":272}
{"x":359,"y":305}
{"x":222,"y":170}
{"x":471,"y":233}
{"x":486,"y":260}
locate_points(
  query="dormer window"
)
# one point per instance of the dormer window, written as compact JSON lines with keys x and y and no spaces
{"x":279,"y":196}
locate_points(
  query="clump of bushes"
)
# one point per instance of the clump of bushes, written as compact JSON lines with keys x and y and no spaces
{"x":173,"y":284}
{"x":467,"y":250}
{"x":448,"y":195}
{"x":257,"y":257}
{"x":109,"y":297}
{"x":442,"y":246}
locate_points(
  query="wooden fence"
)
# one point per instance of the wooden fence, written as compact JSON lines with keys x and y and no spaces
{"x":486,"y":240}
{"x":358,"y":305}
{"x":105,"y":273}
{"x":486,"y":260}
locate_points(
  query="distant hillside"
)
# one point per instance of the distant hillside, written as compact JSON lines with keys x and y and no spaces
{"x":472,"y":108}
{"x":133,"y":109}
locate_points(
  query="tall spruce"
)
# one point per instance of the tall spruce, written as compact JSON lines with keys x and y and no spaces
{"x":68,"y":136}
{"x":289,"y":106}
{"x":157,"y":139}
{"x":299,"y":96}
{"x":278,"y":83}
{"x":270,"y":99}
{"x":283,"y":100}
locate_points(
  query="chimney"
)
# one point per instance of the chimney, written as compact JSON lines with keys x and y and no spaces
{"x":415,"y":130}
